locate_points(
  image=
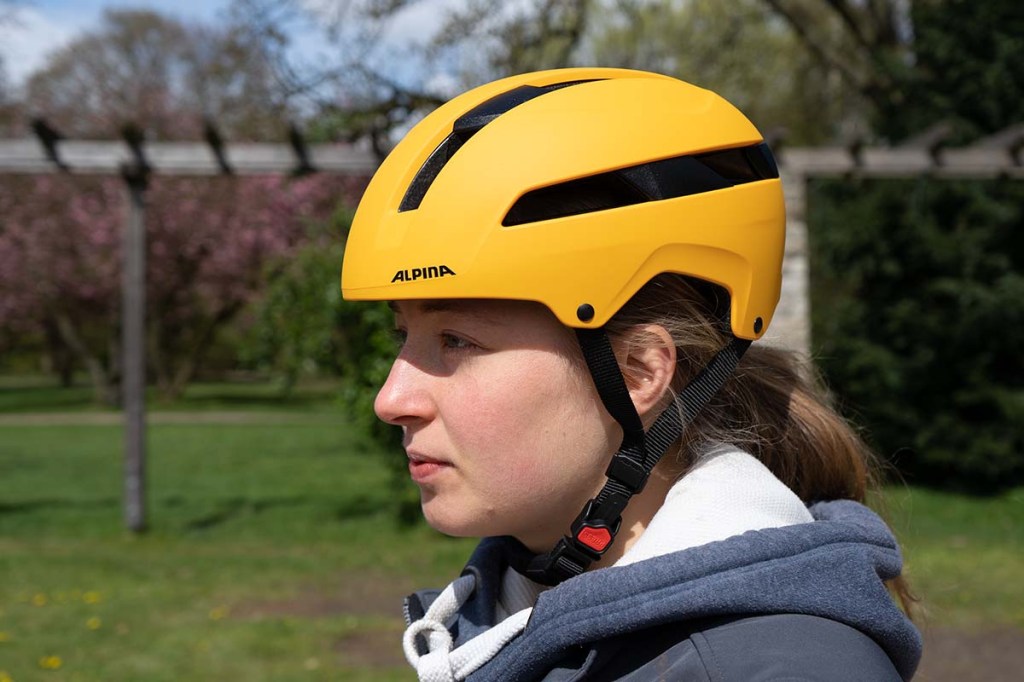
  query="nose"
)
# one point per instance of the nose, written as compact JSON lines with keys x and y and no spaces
{"x":404,"y":398}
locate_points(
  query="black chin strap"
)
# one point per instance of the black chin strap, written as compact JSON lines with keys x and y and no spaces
{"x":595,"y":528}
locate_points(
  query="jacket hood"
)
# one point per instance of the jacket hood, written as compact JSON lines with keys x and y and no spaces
{"x":833,"y":568}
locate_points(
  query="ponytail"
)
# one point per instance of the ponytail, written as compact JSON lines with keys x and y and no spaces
{"x":773,"y":407}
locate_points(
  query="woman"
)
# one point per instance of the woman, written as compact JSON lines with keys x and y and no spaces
{"x":577,"y":261}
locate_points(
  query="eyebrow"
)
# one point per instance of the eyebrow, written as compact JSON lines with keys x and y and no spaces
{"x":462,"y":306}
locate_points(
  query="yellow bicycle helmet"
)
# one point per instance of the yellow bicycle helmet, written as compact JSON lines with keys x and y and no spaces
{"x":457,"y":210}
{"x":574,"y":188}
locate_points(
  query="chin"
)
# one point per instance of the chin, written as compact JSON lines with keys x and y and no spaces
{"x":459,"y":520}
{"x":443,"y":521}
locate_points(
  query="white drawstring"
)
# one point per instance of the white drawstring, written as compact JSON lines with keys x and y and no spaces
{"x":441,"y":663}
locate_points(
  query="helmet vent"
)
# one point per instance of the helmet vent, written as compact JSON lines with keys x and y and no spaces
{"x":464,"y":128}
{"x":666,"y":179}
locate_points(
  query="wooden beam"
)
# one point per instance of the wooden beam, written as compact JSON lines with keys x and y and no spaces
{"x":197,"y":158}
{"x":181,"y":158}
{"x":886,"y":162}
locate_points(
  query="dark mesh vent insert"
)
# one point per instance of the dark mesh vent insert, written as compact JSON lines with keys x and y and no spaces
{"x":667,"y":179}
{"x":464,"y":128}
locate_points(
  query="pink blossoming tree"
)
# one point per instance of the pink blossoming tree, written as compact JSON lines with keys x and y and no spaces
{"x":212,"y":245}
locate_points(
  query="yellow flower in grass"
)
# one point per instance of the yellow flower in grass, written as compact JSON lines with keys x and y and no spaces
{"x":218,"y":613}
{"x":5,"y":676}
{"x":94,"y":623}
{"x":50,"y":663}
{"x":39,"y":599}
{"x":4,"y":637}
{"x":91,"y":597}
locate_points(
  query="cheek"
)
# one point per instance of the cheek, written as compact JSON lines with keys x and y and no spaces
{"x":546,"y":430}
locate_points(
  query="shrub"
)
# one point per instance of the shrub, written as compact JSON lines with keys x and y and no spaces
{"x":918,"y":321}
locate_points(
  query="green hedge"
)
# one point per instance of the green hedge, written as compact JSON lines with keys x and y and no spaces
{"x":302,"y":325}
{"x":918,"y":321}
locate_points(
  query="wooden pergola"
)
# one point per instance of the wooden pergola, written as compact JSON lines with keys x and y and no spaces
{"x":926,"y":154}
{"x":135,"y":160}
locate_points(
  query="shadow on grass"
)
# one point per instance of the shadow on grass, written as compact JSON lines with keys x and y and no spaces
{"x":33,"y":398}
{"x":42,"y":394}
{"x":37,"y":505}
{"x":225,"y":511}
{"x":235,"y":508}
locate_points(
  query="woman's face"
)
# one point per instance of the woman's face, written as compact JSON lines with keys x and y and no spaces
{"x":503,"y":428}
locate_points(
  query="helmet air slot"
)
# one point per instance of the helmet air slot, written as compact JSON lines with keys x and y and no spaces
{"x":464,"y":128}
{"x":665,"y":179}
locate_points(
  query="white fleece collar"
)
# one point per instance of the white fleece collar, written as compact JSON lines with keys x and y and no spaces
{"x":726,"y":493}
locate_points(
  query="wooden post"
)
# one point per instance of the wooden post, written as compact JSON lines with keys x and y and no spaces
{"x":133,"y":370}
{"x":135,"y":160}
{"x":793,"y":330}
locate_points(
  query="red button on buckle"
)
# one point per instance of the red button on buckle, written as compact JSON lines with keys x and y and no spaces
{"x":596,"y":539}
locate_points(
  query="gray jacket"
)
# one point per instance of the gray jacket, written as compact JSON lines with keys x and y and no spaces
{"x":803,"y":602}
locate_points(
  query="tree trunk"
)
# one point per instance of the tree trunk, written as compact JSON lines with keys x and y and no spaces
{"x":185,"y":367}
{"x":62,"y":359}
{"x":103,"y":388}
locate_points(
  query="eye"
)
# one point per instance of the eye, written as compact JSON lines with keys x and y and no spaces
{"x":456,"y":342}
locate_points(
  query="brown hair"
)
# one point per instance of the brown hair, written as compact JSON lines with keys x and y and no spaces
{"x":773,"y":406}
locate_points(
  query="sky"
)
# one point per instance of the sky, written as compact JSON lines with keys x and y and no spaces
{"x":42,"y":26}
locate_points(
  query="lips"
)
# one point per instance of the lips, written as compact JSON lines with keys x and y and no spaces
{"x":423,"y":468}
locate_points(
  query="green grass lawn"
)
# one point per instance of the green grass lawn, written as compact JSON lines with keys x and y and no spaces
{"x":22,"y":394}
{"x":271,"y":555}
{"x":964,"y":555}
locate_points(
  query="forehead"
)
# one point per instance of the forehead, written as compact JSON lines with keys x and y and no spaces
{"x":485,"y":309}
{"x":516,"y":319}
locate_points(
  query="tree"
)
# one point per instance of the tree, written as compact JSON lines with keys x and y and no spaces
{"x":919,"y":302}
{"x":48,"y":287}
{"x":739,"y":49}
{"x":303,"y":324}
{"x":867,"y":43}
{"x":212,"y":243}
{"x":968,"y":70}
{"x":918,"y":63}
{"x":749,"y":50}
{"x":919,"y":296}
{"x":7,"y":106}
{"x":162,"y":75}
{"x":349,"y":88}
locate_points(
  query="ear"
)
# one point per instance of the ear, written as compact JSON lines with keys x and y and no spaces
{"x":648,"y":360}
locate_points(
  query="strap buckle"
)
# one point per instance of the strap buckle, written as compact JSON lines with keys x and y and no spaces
{"x":592,"y":533}
{"x":560,"y":564}
{"x":627,"y":471}
{"x":591,"y":537}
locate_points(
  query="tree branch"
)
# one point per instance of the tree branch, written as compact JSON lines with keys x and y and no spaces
{"x":845,"y":13}
{"x":816,"y":48}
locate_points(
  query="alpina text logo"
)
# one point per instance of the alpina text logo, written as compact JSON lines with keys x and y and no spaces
{"x":422,"y":273}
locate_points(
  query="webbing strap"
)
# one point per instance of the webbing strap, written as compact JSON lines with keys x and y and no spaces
{"x":595,"y":528}
{"x":611,"y":386}
{"x":697,"y":394}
